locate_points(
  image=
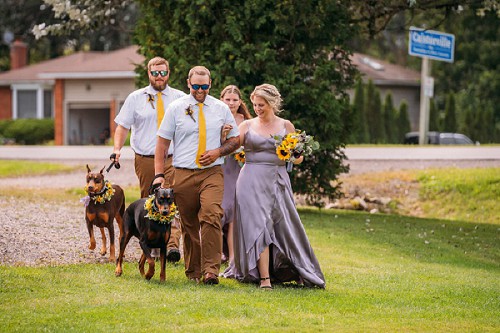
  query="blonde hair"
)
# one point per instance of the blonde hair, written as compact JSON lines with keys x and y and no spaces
{"x":199,"y":70}
{"x":271,"y":94}
{"x":232,"y":89}
{"x":158,"y":61}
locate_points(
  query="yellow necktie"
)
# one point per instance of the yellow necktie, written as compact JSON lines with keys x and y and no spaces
{"x":202,"y":142}
{"x":160,"y":109}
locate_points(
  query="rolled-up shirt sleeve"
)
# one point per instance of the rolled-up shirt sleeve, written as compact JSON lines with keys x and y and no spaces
{"x":229,"y":119}
{"x":167,"y":126}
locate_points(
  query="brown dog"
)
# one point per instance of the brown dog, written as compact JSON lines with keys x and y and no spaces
{"x":105,"y":202}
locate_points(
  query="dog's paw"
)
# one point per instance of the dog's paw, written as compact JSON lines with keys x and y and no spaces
{"x":92,"y":246}
{"x":118,"y":272}
{"x":150,"y":273}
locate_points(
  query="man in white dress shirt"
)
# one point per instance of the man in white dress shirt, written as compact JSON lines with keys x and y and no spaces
{"x":142,"y":113}
{"x":193,"y":123}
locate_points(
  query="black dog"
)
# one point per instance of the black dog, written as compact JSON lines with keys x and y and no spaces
{"x":152,"y":231}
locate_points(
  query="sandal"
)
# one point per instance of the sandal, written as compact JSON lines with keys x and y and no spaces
{"x":265,"y":287}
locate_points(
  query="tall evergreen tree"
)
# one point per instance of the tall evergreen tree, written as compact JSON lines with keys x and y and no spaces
{"x":252,"y":42}
{"x":359,"y":127}
{"x":482,"y":125}
{"x":373,"y":113}
{"x":378,"y":125}
{"x":403,"y":121}
{"x":389,"y":119}
{"x":450,"y":117}
{"x":434,"y":124}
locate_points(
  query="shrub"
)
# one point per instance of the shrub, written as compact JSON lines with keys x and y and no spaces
{"x":30,"y":131}
{"x":3,"y":125}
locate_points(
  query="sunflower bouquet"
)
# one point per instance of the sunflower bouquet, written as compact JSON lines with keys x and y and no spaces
{"x":294,"y":145}
{"x":239,"y":156}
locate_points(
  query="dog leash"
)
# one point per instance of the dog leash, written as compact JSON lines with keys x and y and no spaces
{"x":113,"y":162}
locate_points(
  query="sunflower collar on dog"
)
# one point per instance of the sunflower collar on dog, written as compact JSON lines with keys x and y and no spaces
{"x":105,"y":195}
{"x":155,"y":215}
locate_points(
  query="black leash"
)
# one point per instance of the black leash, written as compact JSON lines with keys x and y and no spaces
{"x":112,"y":157}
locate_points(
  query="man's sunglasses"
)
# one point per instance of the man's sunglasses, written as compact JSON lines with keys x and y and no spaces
{"x":198,"y":86}
{"x":156,"y":73}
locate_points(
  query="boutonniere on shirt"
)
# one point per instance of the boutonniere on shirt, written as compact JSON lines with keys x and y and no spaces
{"x":189,"y":112}
{"x":151,"y":100}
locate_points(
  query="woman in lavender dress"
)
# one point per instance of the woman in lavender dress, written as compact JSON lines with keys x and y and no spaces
{"x":270,"y":243}
{"x":231,"y":95}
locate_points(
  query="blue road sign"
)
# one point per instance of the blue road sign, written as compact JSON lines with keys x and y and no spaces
{"x":431,"y":44}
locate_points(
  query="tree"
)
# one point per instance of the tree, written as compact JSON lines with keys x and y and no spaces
{"x":450,"y":117}
{"x":18,"y":17}
{"x":389,"y":119}
{"x":359,"y":127}
{"x":373,"y":114}
{"x":434,"y":124}
{"x":249,"y":43}
{"x":403,"y":121}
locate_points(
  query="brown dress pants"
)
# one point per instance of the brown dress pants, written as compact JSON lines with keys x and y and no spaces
{"x":145,"y":171}
{"x":199,"y":197}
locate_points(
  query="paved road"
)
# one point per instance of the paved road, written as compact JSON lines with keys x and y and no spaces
{"x":490,"y":153}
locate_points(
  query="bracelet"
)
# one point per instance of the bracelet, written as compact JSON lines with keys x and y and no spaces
{"x":159,"y":175}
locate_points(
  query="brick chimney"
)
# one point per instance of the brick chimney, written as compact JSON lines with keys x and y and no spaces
{"x":18,"y":54}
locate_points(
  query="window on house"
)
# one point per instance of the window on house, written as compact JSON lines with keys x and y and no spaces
{"x":26,"y":104}
{"x":47,"y":103}
{"x":32,"y":101}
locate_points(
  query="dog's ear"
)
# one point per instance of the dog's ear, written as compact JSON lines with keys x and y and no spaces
{"x":88,"y":169}
{"x":102,"y":169}
{"x":154,"y":188}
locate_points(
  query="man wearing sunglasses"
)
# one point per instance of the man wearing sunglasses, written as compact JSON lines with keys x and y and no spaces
{"x":193,"y":123}
{"x":142,"y":113}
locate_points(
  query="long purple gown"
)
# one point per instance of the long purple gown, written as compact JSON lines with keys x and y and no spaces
{"x":266,"y":216}
{"x":231,"y":170}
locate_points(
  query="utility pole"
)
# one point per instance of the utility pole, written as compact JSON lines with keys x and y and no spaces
{"x":425,"y":89}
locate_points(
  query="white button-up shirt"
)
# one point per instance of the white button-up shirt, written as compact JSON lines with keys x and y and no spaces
{"x":183,"y":132}
{"x":140,"y":115}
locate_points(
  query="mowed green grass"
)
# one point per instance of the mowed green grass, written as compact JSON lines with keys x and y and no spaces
{"x":463,"y":194}
{"x":15,"y":168}
{"x":383,"y":273}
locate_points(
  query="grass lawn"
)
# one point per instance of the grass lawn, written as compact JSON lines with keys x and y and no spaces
{"x":15,"y":168}
{"x":384,"y":273}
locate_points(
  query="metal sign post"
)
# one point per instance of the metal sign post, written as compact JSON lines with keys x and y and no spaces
{"x":429,"y":44}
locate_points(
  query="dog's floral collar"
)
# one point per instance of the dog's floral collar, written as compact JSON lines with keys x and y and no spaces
{"x":155,"y":215}
{"x":105,"y":195}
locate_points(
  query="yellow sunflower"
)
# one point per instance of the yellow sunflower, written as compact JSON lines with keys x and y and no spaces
{"x":291,"y":141}
{"x":240,"y":157}
{"x":283,"y":152}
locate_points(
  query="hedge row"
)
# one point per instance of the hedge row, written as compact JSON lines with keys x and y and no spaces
{"x":28,"y":131}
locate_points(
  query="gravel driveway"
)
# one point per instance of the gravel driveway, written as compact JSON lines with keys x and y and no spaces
{"x":38,"y":233}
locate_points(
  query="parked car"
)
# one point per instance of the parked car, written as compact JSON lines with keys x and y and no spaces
{"x":438,"y":138}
